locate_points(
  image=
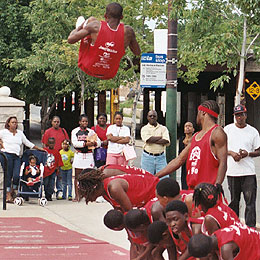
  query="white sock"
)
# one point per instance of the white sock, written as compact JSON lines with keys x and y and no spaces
{"x":80,"y":21}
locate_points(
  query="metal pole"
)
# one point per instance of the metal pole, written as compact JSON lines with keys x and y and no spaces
{"x":171,"y":86}
{"x":4,"y":166}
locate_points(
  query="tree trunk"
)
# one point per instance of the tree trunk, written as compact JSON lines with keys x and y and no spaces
{"x":241,"y":68}
{"x":45,"y":112}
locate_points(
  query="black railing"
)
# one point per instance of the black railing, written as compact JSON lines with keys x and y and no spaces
{"x":4,"y":166}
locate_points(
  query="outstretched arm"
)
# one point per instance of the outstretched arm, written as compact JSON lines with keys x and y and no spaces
{"x":219,"y":143}
{"x":174,"y":164}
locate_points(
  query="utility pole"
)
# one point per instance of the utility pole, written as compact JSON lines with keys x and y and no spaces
{"x":171,"y":86}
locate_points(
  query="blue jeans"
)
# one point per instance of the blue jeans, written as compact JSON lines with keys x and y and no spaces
{"x":66,"y":181}
{"x":58,"y":184}
{"x":49,"y":183}
{"x":13,"y":165}
{"x":153,"y":164}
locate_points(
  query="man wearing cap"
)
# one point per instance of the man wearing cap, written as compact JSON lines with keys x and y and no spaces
{"x":243,"y":145}
{"x":206,"y":155}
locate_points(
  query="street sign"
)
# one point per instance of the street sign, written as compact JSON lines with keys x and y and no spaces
{"x":253,"y":90}
{"x":153,"y":70}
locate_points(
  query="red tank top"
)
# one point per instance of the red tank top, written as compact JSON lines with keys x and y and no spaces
{"x":137,"y":237}
{"x":202,"y":165}
{"x":141,"y":188}
{"x":247,"y":239}
{"x":223,"y":215}
{"x":127,"y":169}
{"x":102,"y":59}
{"x":181,"y":241}
{"x":148,"y":208}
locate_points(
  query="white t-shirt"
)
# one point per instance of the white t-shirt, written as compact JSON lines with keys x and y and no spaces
{"x":122,"y":131}
{"x":246,"y":138}
{"x":12,"y":143}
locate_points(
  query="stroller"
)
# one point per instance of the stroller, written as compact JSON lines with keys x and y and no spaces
{"x":33,"y":188}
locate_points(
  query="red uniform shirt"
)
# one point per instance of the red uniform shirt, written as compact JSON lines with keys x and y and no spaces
{"x":223,"y":215}
{"x":181,"y":243}
{"x":127,"y":169}
{"x":53,"y":161}
{"x":137,"y":237}
{"x":141,"y":188}
{"x":202,"y":165}
{"x":102,"y":59}
{"x":247,"y":239}
{"x":148,"y":208}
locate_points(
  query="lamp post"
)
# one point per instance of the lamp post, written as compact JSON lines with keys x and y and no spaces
{"x":171,"y":85}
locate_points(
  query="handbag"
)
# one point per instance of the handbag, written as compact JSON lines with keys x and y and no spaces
{"x":129,"y":152}
{"x":100,"y":154}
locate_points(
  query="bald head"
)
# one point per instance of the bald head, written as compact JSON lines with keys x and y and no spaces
{"x":152,"y":117}
{"x":114,"y":10}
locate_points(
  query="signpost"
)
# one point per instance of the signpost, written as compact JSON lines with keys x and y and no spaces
{"x":153,"y":70}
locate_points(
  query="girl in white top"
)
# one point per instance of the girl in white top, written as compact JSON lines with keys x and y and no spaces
{"x":11,"y":140}
{"x":118,"y":136}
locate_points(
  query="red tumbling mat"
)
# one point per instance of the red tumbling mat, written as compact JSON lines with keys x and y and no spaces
{"x":37,"y":238}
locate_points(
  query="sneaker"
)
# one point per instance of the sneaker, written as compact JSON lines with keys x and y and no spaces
{"x":48,"y":198}
{"x":100,"y":200}
{"x":9,"y":198}
{"x":59,"y":196}
{"x":69,"y":197}
{"x":80,"y":21}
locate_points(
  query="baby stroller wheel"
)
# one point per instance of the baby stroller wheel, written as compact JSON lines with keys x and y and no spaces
{"x":42,"y":202}
{"x":18,"y":201}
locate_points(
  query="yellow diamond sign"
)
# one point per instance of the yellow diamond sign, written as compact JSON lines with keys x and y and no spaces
{"x":253,"y":90}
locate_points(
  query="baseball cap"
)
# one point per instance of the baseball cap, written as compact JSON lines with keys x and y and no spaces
{"x":239,"y":109}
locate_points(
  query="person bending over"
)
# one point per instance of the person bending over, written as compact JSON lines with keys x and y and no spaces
{"x":122,"y":191}
{"x":233,"y":242}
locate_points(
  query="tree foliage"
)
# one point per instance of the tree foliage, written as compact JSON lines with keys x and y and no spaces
{"x":211,"y":32}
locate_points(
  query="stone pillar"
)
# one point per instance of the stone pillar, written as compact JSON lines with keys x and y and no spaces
{"x":9,"y":107}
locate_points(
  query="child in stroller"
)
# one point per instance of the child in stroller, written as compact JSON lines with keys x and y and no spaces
{"x":31,"y":177}
{"x":32,"y":173}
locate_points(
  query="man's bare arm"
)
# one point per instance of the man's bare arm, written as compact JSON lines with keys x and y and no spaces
{"x":117,"y":190}
{"x":219,"y":142}
{"x":81,"y":32}
{"x":153,"y":139}
{"x":133,"y":44}
{"x":162,"y":141}
{"x":174,"y":164}
{"x":256,"y":153}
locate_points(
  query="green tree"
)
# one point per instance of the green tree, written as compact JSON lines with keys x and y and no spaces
{"x":217,"y":32}
{"x":48,"y":69}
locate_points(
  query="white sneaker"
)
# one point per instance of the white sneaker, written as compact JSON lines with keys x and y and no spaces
{"x":100,"y":200}
{"x":59,"y":196}
{"x":80,"y":21}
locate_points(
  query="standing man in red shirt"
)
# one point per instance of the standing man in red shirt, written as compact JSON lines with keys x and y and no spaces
{"x":59,"y":134}
{"x":206,"y":155}
{"x":103,"y":43}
